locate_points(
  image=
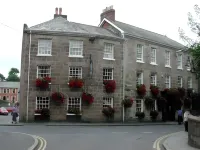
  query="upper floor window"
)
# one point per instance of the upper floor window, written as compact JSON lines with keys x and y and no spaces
{"x":43,"y":71}
{"x":107,"y":74}
{"x":108,"y":51}
{"x":180,"y":81}
{"x":13,"y":90}
{"x":44,"y":47}
{"x":75,"y":48}
{"x":188,"y":63}
{"x":168,"y":82}
{"x":4,"y":90}
{"x":153,"y":56}
{"x":189,"y":82}
{"x":107,"y":101}
{"x":8,"y":90}
{"x":153,"y":79}
{"x":75,"y":72}
{"x":139,"y":53}
{"x":179,"y":61}
{"x":139,"y":78}
{"x":167,"y":59}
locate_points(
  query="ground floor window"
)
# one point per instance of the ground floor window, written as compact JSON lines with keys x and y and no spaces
{"x":107,"y":101}
{"x":42,"y":102}
{"x":74,"y":102}
{"x":154,"y":106}
{"x":139,"y":105}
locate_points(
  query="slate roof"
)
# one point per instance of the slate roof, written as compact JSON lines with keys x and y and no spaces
{"x":4,"y":84}
{"x":60,"y":24}
{"x":145,"y":34}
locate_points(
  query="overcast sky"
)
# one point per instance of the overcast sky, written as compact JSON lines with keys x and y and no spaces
{"x":159,"y":16}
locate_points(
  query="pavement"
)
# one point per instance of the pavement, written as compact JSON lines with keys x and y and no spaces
{"x":96,"y":137}
{"x":178,"y":141}
{"x":17,"y":141}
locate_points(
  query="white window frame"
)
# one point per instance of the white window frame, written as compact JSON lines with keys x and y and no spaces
{"x":107,"y":101}
{"x":141,"y":108}
{"x":189,"y":65}
{"x":140,"y":76}
{"x":78,"y":45}
{"x":108,"y":73}
{"x":167,"y":59}
{"x":153,"y":56}
{"x":153,"y":79}
{"x":108,"y":51}
{"x":154,"y":107}
{"x":45,"y":102}
{"x":189,"y":82}
{"x":41,"y":75}
{"x":140,"y":51}
{"x":46,"y":45}
{"x":180,"y":81}
{"x":75,"y":72}
{"x":73,"y":103}
{"x":168,"y":81}
{"x":180,"y":61}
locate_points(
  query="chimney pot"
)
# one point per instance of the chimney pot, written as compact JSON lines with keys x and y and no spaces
{"x":60,"y":11}
{"x":108,"y":13}
{"x":56,"y":11}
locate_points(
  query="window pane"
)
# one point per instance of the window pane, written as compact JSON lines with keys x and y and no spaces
{"x":75,"y":72}
{"x":76,"y":48}
{"x":107,"y":74}
{"x":44,"y":71}
{"x":44,"y":47}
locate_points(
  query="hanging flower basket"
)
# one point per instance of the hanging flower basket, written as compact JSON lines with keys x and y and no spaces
{"x":149,"y":102}
{"x":109,"y":85}
{"x":43,"y":83}
{"x":58,"y":97}
{"x":141,"y":90}
{"x":127,"y":102}
{"x":75,"y":83}
{"x":87,"y":98}
{"x":108,"y":112}
{"x":154,"y":90}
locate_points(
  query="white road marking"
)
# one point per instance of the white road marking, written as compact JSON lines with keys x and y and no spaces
{"x":147,"y":132}
{"x":119,"y":132}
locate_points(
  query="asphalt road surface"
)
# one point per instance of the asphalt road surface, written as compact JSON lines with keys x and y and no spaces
{"x":97,"y":138}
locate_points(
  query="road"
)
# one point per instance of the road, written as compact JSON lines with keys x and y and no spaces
{"x":97,"y":138}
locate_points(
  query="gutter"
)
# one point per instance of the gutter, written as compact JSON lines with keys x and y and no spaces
{"x":29,"y":59}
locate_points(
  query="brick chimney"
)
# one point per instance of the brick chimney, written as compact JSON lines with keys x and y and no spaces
{"x":60,"y":13}
{"x":108,"y":13}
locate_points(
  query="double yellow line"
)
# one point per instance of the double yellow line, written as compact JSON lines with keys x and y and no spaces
{"x":42,"y":143}
{"x":156,"y":144}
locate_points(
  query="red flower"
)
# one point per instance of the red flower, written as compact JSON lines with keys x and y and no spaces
{"x":141,"y":89}
{"x":58,"y":97}
{"x":128,"y":102}
{"x":76,"y":83}
{"x":43,"y":82}
{"x":154,"y":90}
{"x":110,"y":86}
{"x":88,"y":98}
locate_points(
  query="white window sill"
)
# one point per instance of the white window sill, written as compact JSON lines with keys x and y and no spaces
{"x":70,"y":114}
{"x":36,"y":114}
{"x":42,"y":55}
{"x":168,"y":66}
{"x":138,"y":61}
{"x":108,"y":59}
{"x":180,"y":68}
{"x":154,"y":64}
{"x":75,"y":56}
{"x":188,"y":69}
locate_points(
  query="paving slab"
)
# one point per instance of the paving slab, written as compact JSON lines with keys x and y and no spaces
{"x":178,"y":141}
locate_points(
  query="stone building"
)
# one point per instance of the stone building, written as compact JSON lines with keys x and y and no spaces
{"x":9,"y":91}
{"x":149,"y":58}
{"x":62,"y":49}
{"x":113,"y":51}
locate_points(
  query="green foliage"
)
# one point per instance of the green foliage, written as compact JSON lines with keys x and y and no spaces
{"x":2,"y":78}
{"x":13,"y":75}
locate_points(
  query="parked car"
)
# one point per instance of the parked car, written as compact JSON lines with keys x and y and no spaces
{"x":3,"y":111}
{"x":9,"y":109}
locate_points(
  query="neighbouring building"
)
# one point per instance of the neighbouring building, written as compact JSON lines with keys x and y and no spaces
{"x":150,"y":59}
{"x":9,"y":91}
{"x":129,"y":55}
{"x":62,"y":50}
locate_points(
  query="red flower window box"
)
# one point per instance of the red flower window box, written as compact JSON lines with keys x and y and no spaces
{"x":154,"y":90}
{"x":43,"y":83}
{"x":76,"y":83}
{"x":109,"y":85}
{"x":141,"y":89}
{"x":87,"y":98}
{"x":58,"y":97}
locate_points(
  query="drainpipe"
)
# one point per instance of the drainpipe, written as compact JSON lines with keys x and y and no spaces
{"x":29,"y":59}
{"x":123,"y":79}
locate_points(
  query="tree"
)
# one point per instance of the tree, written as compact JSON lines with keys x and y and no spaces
{"x":193,"y":44}
{"x":13,"y":75}
{"x":2,"y":78}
